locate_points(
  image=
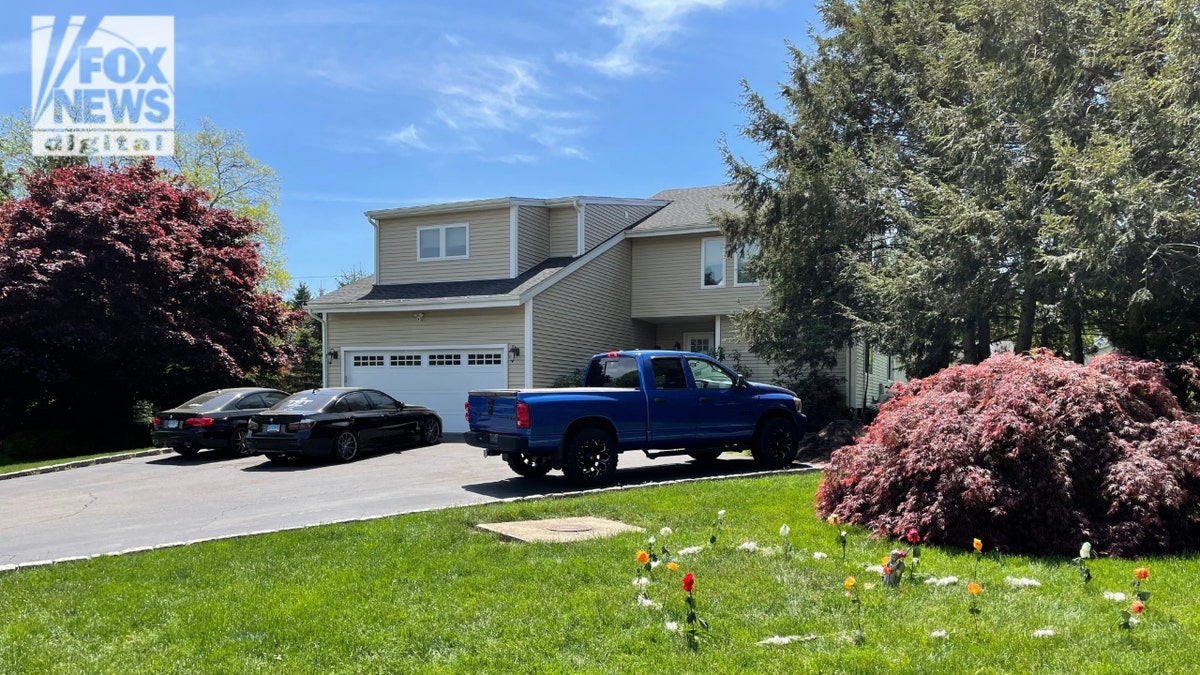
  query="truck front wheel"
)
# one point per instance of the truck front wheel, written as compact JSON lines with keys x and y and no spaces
{"x":590,"y":457}
{"x":531,"y":466}
{"x":776,"y":444}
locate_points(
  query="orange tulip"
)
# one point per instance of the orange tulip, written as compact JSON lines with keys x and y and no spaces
{"x":1141,"y":573}
{"x":1137,"y":607}
{"x":974,"y":588}
{"x":849,"y":583}
{"x":978,"y":545}
{"x":672,"y":566}
{"x":643,"y":557}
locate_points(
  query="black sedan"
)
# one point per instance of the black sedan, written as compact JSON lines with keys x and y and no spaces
{"x":338,"y":422}
{"x":216,"y":419}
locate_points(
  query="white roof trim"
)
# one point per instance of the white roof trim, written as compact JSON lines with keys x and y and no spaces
{"x":431,"y":304}
{"x":505,"y":202}
{"x":667,"y":231}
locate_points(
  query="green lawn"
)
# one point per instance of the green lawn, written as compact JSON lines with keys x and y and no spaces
{"x":13,"y":465}
{"x":431,"y":593}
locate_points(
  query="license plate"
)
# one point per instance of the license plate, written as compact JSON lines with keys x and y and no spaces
{"x":271,"y":428}
{"x":171,"y":424}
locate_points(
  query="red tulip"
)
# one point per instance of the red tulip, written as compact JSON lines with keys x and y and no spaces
{"x":688,"y":582}
{"x":913,"y":536}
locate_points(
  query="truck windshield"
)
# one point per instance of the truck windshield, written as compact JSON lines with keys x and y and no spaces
{"x":613,"y":371}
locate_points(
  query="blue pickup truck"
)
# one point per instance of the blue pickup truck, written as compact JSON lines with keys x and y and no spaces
{"x":660,"y":402}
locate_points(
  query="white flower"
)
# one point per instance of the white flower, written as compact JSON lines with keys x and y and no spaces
{"x":1044,"y":632}
{"x":748,"y":546}
{"x":1022,"y":582}
{"x":916,"y":561}
{"x":666,"y":532}
{"x":1085,"y":551}
{"x":1114,"y":595}
{"x":689,"y":550}
{"x":671,"y":625}
{"x":938,"y":634}
{"x":1133,"y":620}
{"x":817,"y":555}
{"x":783,"y":639}
{"x":784,"y":530}
{"x":651,"y":540}
{"x":878,"y":569}
{"x":647,"y":602}
{"x":654,"y":563}
{"x":641,"y":582}
{"x":721,"y":515}
{"x":944,"y":581}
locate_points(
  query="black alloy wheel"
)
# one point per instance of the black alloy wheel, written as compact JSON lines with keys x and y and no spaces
{"x":530,"y":466}
{"x":590,"y":457}
{"x":345,"y":446}
{"x":776,"y":444}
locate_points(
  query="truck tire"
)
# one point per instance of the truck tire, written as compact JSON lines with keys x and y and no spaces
{"x":530,"y":466}
{"x":705,"y":456}
{"x":776,"y":443}
{"x":590,"y":457}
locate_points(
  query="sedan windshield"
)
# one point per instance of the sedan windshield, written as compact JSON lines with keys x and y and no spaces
{"x":305,"y":402}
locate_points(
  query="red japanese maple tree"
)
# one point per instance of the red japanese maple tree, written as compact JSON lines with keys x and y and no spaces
{"x":120,"y":284}
{"x":1032,"y":453}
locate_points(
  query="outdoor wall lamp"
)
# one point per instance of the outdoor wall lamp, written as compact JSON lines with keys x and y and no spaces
{"x":331,"y":356}
{"x":513,"y":352}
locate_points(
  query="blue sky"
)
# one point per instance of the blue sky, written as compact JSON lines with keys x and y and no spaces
{"x":365,"y":105}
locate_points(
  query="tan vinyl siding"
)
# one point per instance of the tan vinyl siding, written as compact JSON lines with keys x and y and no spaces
{"x":487,"y":246}
{"x":601,"y":221}
{"x":533,"y":236}
{"x":731,"y":342}
{"x":584,"y":314}
{"x":435,"y":329}
{"x":666,"y":281}
{"x":564,"y":232}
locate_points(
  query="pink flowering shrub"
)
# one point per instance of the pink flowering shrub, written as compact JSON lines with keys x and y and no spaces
{"x":1036,"y":453}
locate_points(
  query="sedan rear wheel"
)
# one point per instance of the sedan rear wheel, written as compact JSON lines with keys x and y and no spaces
{"x":345,"y":446}
{"x":278,"y":457}
{"x":431,"y":431}
{"x":186,"y":450}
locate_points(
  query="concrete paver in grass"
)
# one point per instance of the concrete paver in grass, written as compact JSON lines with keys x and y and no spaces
{"x":559,"y":530}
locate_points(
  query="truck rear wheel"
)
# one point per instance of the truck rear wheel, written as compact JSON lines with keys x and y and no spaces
{"x":530,"y":466}
{"x":590,"y":457}
{"x":776,"y":444}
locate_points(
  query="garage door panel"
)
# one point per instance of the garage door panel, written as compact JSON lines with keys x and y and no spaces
{"x":435,"y":378}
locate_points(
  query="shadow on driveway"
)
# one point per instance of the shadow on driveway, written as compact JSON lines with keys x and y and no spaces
{"x":556,"y":484}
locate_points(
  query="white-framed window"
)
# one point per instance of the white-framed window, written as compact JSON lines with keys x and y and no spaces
{"x":712,"y":263}
{"x":698,"y":342}
{"x":741,"y":275}
{"x":488,"y":359}
{"x":445,"y":359}
{"x":368,"y":360}
{"x":402,"y":360}
{"x":443,"y":242}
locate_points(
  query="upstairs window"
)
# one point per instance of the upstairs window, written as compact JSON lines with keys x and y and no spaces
{"x":444,"y":242}
{"x":743,"y":276}
{"x":712,"y":263}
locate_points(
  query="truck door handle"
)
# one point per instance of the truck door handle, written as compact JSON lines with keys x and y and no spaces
{"x":659,"y":399}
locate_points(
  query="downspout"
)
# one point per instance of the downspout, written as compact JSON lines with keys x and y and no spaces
{"x":320,"y":316}
{"x":579,"y":227}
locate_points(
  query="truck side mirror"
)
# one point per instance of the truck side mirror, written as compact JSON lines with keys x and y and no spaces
{"x":739,"y":382}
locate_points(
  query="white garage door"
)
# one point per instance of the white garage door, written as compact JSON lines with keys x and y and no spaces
{"x":435,"y":378}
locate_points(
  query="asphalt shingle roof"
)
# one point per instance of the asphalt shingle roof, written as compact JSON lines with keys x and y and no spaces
{"x":689,"y":207}
{"x":365,"y":290}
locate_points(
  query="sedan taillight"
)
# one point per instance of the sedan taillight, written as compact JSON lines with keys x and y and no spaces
{"x":155,"y":422}
{"x":302,"y":424}
{"x":198,"y":422}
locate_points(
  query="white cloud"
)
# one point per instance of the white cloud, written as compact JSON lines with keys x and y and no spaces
{"x":640,"y":25}
{"x":407,"y":136}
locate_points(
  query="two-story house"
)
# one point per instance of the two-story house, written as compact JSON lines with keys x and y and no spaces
{"x":515,"y":292}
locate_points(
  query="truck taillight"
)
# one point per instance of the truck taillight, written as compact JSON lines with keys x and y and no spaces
{"x":198,"y":422}
{"x":467,"y":411}
{"x":522,"y":415}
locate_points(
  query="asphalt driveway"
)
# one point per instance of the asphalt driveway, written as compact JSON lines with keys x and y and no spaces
{"x":159,"y":500}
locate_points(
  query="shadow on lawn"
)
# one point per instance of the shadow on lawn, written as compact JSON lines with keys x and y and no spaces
{"x":555,"y":483}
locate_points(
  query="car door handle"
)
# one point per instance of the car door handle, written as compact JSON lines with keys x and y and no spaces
{"x":706,"y":399}
{"x":659,"y":399}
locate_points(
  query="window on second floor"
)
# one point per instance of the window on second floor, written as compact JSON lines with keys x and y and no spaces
{"x":712,"y":263}
{"x":443,"y":242}
{"x":743,"y":276}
